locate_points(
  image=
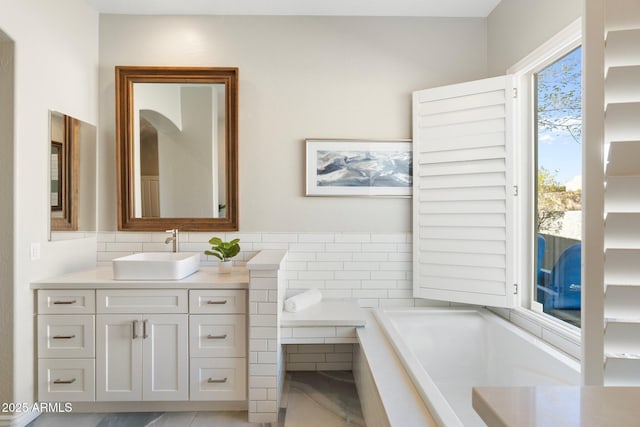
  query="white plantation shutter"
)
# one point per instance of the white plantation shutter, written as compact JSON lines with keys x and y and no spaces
{"x":461,"y":206}
{"x":622,"y":194}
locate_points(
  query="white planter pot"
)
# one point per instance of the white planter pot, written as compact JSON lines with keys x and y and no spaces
{"x":224,"y":267}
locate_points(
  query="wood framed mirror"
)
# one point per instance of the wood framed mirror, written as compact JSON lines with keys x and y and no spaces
{"x":72,"y":177}
{"x":177,"y":148}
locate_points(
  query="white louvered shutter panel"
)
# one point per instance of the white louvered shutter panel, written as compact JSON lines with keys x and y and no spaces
{"x":461,"y":206}
{"x":622,"y":194}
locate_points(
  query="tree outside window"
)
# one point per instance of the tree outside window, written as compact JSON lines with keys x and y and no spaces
{"x":558,"y":131}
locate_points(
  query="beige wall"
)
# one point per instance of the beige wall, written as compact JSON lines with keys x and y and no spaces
{"x":7,"y":51}
{"x":517,"y":27}
{"x":300,"y":77}
{"x":55,"y":67}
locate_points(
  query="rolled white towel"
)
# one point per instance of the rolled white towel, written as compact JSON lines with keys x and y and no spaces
{"x":303,"y":300}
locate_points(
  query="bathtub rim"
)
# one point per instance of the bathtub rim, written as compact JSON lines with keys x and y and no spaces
{"x":434,"y":400}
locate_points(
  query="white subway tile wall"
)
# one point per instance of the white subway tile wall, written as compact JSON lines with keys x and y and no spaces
{"x":318,"y":335}
{"x":568,"y":344}
{"x":374,"y":268}
{"x":319,"y":357}
{"x":266,"y":358}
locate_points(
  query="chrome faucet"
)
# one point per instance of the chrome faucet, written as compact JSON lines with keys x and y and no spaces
{"x":173,"y":238}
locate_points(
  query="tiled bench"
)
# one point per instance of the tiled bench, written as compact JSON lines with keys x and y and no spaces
{"x":328,"y":322}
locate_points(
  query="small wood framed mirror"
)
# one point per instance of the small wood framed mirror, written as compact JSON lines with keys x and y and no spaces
{"x":72,"y":177}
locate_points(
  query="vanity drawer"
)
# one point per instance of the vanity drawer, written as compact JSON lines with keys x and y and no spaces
{"x":218,"y":301}
{"x":66,"y":336}
{"x":219,"y":335}
{"x":72,"y":301}
{"x":218,"y":379}
{"x":142,"y":301}
{"x":66,"y":380}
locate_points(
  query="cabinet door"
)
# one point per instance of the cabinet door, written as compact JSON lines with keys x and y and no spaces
{"x":218,"y":335}
{"x":165,"y":366}
{"x":218,"y":378}
{"x":118,"y":357}
{"x":72,"y":301}
{"x":66,"y":380}
{"x":66,"y":336}
{"x":217,"y":301}
{"x":138,"y":301}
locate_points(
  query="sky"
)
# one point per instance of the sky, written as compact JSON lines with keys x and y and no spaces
{"x":561,"y":154}
{"x":558,"y":150}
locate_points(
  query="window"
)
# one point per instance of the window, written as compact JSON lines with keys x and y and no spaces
{"x":488,"y":156}
{"x":548,"y":171}
{"x":557,"y":118}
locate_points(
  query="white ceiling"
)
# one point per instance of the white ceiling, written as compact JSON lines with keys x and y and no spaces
{"x":450,"y":8}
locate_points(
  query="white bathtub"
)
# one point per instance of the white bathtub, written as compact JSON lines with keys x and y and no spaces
{"x":446,"y":352}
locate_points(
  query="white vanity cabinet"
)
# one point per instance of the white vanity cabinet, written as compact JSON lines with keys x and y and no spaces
{"x":112,"y":341}
{"x":66,"y":350}
{"x":218,"y":338}
{"x":142,"y":345}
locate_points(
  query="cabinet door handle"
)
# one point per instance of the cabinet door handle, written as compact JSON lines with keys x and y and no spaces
{"x":65,"y":302}
{"x":216,"y":337}
{"x":134,"y":335}
{"x":64,"y":337}
{"x":144,"y":329}
{"x":212,"y":302}
{"x":71,"y":381}
{"x":212,"y":381}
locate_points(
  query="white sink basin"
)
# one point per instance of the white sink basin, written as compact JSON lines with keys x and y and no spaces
{"x":155,"y":266}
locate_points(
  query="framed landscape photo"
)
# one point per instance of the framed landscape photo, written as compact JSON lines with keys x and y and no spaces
{"x":358,"y":167}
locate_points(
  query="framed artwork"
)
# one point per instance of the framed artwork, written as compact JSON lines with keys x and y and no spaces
{"x":358,"y":167}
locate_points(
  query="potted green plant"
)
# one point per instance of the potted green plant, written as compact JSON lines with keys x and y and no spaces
{"x":224,"y":251}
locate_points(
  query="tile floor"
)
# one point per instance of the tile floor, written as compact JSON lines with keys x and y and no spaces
{"x":310,"y":399}
{"x":322,"y":399}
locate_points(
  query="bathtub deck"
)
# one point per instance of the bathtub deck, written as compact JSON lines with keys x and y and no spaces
{"x":402,"y":404}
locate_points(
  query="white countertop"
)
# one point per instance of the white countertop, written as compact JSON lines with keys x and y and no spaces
{"x":102,"y":277}
{"x":326,"y":313}
{"x":268,"y":259}
{"x":558,"y":406}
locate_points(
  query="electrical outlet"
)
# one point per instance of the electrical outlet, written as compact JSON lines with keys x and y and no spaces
{"x":35,"y":251}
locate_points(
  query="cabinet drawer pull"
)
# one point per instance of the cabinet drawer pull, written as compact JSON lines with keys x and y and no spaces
{"x":212,"y":381}
{"x":71,"y":381}
{"x":64,"y":337}
{"x":65,"y":302}
{"x":145,"y":335}
{"x":212,"y":302}
{"x":134,"y":335}
{"x":216,"y":337}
